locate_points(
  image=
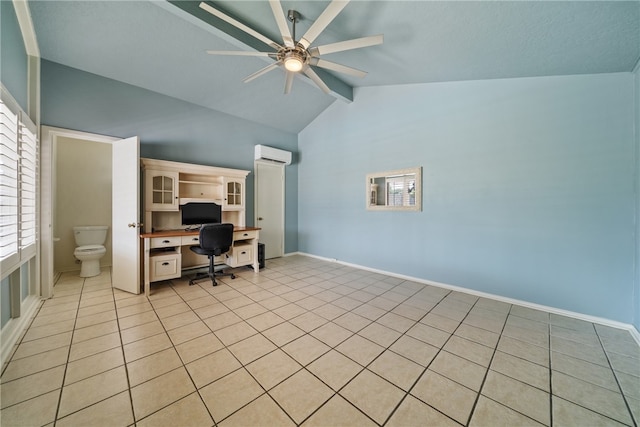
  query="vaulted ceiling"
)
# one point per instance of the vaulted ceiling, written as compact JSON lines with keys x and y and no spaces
{"x":160,"y":46}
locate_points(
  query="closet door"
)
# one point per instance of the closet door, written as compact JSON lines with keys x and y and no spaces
{"x":126,"y":215}
{"x":269,"y":188}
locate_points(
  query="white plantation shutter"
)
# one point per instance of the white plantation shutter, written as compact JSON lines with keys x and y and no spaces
{"x":28,"y":175}
{"x":8,"y":185}
{"x":401,"y":190}
{"x":18,"y":184}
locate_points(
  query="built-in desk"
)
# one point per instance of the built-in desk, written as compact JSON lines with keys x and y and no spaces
{"x":166,"y":254}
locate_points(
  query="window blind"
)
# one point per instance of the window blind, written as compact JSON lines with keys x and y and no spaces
{"x":401,"y":190}
{"x":28,"y":149}
{"x":8,"y":185}
{"x":18,"y":184}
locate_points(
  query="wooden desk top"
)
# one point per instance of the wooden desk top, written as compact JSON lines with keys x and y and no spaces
{"x":182,"y":232}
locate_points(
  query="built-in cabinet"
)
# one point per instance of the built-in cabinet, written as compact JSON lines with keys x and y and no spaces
{"x":234,"y":194}
{"x":169,"y":185}
{"x":161,"y":190}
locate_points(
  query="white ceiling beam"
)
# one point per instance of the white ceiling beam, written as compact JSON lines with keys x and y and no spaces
{"x":26,"y":27}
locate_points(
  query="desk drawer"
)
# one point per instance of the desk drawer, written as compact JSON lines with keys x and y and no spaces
{"x":240,"y":255}
{"x":165,"y":266}
{"x":245,"y":235}
{"x":165,"y":242}
{"x":190,"y":240}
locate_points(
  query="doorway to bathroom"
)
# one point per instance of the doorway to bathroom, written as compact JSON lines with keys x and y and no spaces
{"x":104,"y":158}
{"x":82,"y":196}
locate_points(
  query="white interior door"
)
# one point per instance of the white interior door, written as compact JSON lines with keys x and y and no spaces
{"x":270,"y":207}
{"x":126,"y":215}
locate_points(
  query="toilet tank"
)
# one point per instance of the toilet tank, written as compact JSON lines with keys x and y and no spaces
{"x":90,"y":234}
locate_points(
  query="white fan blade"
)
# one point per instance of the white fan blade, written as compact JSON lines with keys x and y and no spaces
{"x":239,"y":53}
{"x":317,"y":80}
{"x":347,"y":45}
{"x":321,"y":23}
{"x":337,"y":67}
{"x":288,"y":82}
{"x":239,"y":25}
{"x":281,"y":20}
{"x":262,"y":71}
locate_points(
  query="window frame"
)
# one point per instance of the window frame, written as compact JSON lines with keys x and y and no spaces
{"x":23,"y":247}
{"x":380,"y":181}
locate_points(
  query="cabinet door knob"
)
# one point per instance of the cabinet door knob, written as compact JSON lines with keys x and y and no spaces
{"x":259,"y":218}
{"x":166,"y":241}
{"x":165,"y":263}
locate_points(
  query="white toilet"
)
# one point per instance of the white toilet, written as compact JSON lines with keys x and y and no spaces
{"x":90,"y":240}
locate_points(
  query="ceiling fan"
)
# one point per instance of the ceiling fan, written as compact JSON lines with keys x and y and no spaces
{"x":296,"y":56}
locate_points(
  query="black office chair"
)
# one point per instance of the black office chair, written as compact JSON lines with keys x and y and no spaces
{"x":215,"y":240}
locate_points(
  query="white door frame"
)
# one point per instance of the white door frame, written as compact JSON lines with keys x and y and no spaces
{"x":49,"y":139}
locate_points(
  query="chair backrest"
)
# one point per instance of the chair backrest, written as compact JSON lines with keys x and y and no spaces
{"x":216,"y":237}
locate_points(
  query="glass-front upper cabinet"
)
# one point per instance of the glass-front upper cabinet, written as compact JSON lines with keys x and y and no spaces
{"x":234,"y":197}
{"x":161,"y":189}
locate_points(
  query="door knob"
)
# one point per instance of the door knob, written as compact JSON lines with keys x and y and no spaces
{"x":259,"y":218}
{"x":134,"y":225}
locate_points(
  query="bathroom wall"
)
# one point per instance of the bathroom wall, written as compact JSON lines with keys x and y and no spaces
{"x":83,"y":196}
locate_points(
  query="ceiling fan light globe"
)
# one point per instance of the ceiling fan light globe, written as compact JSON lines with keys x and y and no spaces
{"x":293,"y":64}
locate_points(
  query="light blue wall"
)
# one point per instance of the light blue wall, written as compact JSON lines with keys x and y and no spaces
{"x":528,"y":187}
{"x":13,"y":56}
{"x":169,"y":129}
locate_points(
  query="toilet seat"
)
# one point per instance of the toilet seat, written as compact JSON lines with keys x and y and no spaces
{"x":89,"y":249}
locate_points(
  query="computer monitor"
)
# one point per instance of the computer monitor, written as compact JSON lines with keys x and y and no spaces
{"x":195,"y":213}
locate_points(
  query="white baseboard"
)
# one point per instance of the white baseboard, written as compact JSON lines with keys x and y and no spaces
{"x":14,"y":328}
{"x":580,"y":316}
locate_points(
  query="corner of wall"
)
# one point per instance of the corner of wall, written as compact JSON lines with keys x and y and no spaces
{"x":636,"y":286}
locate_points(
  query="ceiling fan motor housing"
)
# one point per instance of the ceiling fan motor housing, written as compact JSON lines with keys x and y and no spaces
{"x":293,"y":59}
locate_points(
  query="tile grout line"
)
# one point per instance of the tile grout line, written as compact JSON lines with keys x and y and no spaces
{"x":615,"y":376}
{"x":66,"y":366}
{"x":334,"y":348}
{"x":509,"y":376}
{"x":486,"y":374}
{"x":184,"y":366}
{"x":304,"y":367}
{"x":110,"y":369}
{"x":426,"y":368}
{"x":242,"y":365}
{"x":613,"y":372}
{"x":124,"y":357}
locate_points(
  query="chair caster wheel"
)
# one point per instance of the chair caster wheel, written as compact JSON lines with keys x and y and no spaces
{"x":233,"y":276}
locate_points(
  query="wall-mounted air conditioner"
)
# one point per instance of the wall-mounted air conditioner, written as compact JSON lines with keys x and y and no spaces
{"x":264,"y":152}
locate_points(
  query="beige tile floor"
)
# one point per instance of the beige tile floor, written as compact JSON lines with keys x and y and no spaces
{"x":313,"y":343}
